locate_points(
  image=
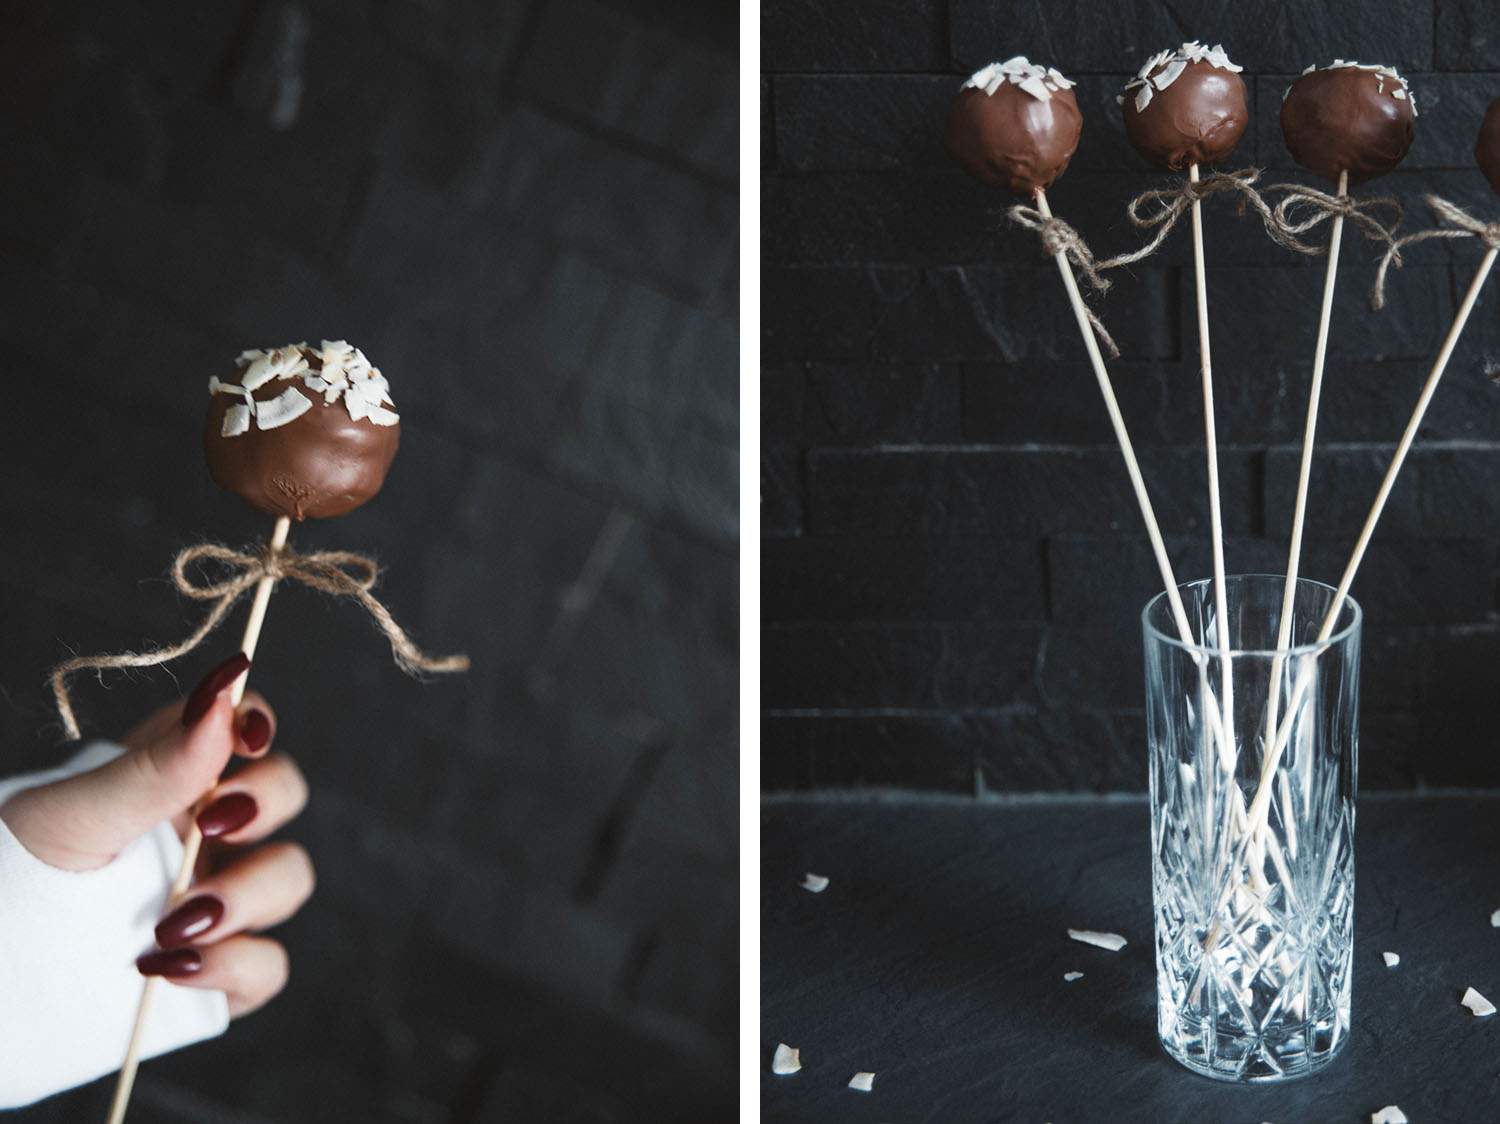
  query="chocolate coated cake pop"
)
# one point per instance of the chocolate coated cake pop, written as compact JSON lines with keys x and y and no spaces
{"x":1186,"y":107}
{"x":1348,"y":117}
{"x":306,"y":432}
{"x":1014,"y":125}
{"x":1487,"y":147}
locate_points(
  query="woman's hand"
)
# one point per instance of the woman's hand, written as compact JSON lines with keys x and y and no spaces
{"x":172,"y":760}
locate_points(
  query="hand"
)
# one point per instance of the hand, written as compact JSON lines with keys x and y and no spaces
{"x":172,"y":760}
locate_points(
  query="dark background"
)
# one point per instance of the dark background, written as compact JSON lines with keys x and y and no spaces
{"x":953,"y":562}
{"x":525,"y":213}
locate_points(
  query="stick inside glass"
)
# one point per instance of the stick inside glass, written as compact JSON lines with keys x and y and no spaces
{"x":1254,"y":937}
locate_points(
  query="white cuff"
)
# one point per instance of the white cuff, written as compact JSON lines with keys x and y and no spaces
{"x":68,"y":945}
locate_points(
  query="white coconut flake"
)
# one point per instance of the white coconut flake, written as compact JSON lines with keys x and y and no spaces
{"x":1169,"y":73}
{"x":1477,"y":1003}
{"x":1111,"y":941}
{"x":1071,"y":976}
{"x":236,"y":421}
{"x":1495,"y":919}
{"x":814,"y":883}
{"x":1036,"y":87}
{"x":1143,"y":98}
{"x":1390,"y":1114}
{"x":862,"y":1081}
{"x":787,"y":1059}
{"x":291,"y":403}
{"x":1391,"y":959}
{"x":379,"y":415}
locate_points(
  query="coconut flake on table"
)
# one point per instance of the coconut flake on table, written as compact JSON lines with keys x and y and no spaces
{"x":814,"y":883}
{"x":788,"y":1059}
{"x":1390,"y":1114}
{"x":1391,"y":959}
{"x":1071,"y":976}
{"x":863,"y":1081}
{"x":1477,"y":1003}
{"x":1111,"y":941}
{"x":1495,"y":919}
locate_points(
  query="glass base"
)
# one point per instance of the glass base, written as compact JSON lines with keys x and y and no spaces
{"x":1255,"y":1059}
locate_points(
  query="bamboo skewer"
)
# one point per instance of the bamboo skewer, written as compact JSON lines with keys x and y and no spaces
{"x":1299,"y":511}
{"x":1216,"y":517}
{"x":191,"y":845}
{"x":1132,"y":466}
{"x":1258,"y":806}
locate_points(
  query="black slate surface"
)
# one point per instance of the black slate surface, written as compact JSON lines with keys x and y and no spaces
{"x":935,"y":959}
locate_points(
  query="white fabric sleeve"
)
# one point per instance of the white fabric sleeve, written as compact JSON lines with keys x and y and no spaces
{"x":68,"y":945}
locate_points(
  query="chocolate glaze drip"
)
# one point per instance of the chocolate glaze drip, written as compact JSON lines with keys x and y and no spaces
{"x":1345,"y":119}
{"x":1487,"y":147}
{"x":319,"y":464}
{"x":1197,"y":119}
{"x":1011,"y":139}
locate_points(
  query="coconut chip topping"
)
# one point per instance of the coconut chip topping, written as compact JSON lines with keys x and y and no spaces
{"x":1391,"y":959}
{"x":1111,"y":941}
{"x":1071,"y":976}
{"x":1495,"y":919}
{"x":1400,"y":89}
{"x":1477,"y":1003}
{"x":335,"y":370}
{"x":1041,"y":82}
{"x":862,"y":1081}
{"x":1172,"y":64}
{"x":1390,"y":1114}
{"x":788,"y":1059}
{"x":814,"y":883}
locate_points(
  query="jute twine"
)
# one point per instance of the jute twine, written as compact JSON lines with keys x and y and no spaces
{"x":1461,"y":225}
{"x":1163,"y":208}
{"x":336,"y":572}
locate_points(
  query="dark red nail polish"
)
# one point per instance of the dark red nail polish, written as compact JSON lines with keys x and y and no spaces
{"x":228,"y":813}
{"x":189,"y":921}
{"x":204,"y":693}
{"x":173,"y":964}
{"x":255,"y":731}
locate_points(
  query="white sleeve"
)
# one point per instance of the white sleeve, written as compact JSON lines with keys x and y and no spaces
{"x":68,"y":945}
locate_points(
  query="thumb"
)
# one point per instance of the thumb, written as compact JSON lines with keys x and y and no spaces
{"x":82,"y":822}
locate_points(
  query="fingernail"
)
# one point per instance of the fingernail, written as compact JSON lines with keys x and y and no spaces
{"x":174,"y":963}
{"x":255,"y":731}
{"x":228,"y":813}
{"x":189,"y":921}
{"x":204,"y":693}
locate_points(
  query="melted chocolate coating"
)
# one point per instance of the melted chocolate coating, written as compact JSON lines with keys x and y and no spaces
{"x":1487,"y":147}
{"x":1342,"y":120}
{"x":1012,"y":140}
{"x":1198,"y":119}
{"x":319,"y":464}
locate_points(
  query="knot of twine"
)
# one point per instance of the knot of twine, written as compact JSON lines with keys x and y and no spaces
{"x":1172,"y":203}
{"x":1060,"y":238}
{"x":337,"y":572}
{"x":1324,"y":207}
{"x":1461,"y":225}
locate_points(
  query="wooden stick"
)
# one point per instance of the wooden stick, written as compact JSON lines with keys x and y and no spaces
{"x":126,"y":1081}
{"x":1258,"y":806}
{"x":1299,"y":511}
{"x":1216,"y":517}
{"x":1080,"y":313}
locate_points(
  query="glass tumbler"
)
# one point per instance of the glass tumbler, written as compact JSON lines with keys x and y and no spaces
{"x":1253,"y":755}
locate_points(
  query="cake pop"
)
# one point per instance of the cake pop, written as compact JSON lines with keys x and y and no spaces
{"x":1348,"y":117}
{"x":1014,"y":125}
{"x":1186,"y":107}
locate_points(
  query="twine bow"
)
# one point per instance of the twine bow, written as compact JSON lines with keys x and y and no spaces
{"x":1461,"y":225}
{"x":337,"y":572}
{"x":1060,"y":238}
{"x":1324,"y":207}
{"x":1172,"y":203}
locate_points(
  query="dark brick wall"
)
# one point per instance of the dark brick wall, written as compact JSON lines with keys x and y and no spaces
{"x":525,"y":213}
{"x":953,"y":561}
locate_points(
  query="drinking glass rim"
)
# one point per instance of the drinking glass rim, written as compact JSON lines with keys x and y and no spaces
{"x":1317,"y":648}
